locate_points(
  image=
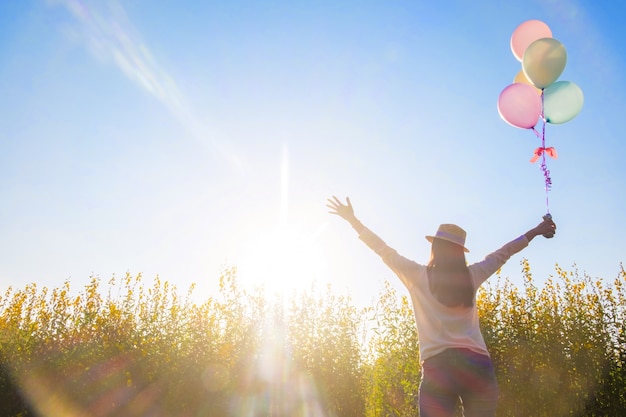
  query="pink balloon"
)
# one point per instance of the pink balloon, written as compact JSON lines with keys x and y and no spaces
{"x":527,"y":33}
{"x":520,"y":105}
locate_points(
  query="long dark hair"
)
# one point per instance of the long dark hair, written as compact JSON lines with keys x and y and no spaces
{"x":448,"y":275}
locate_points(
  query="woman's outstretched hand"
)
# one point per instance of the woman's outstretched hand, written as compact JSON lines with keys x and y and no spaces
{"x":345,"y":211}
{"x":546,"y":228}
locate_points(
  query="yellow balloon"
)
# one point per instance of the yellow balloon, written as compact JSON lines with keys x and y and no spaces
{"x":521,"y":78}
{"x":544,"y":61}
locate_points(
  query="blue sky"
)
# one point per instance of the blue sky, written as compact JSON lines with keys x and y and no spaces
{"x":176,"y":138}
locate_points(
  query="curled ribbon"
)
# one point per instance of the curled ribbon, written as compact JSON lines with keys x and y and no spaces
{"x":551,"y":152}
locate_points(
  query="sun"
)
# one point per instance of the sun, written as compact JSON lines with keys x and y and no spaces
{"x":284,"y":256}
{"x":282,"y":260}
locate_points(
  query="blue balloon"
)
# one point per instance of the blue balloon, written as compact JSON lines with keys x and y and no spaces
{"x":562,"y":101}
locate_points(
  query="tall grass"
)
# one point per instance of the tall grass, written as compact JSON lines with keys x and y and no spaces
{"x":136,"y":347}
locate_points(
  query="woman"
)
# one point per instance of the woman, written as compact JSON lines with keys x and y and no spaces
{"x":455,"y":360}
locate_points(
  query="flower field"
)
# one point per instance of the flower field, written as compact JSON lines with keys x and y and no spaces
{"x":138,"y":347}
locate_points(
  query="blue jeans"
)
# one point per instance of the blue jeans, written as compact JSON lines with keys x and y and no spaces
{"x":454,"y":374}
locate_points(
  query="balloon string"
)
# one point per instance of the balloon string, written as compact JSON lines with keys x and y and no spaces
{"x":544,"y":167}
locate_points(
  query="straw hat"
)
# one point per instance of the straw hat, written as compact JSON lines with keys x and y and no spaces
{"x":451,"y":233}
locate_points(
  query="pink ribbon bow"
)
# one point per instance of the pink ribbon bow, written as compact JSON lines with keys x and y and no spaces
{"x":551,"y":152}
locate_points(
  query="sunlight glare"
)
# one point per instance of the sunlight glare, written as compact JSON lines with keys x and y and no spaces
{"x":282,"y":261}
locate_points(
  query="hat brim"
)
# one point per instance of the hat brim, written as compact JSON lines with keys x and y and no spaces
{"x":430,"y":239}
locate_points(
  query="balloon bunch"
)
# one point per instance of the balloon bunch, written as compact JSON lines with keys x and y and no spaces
{"x":535,"y":93}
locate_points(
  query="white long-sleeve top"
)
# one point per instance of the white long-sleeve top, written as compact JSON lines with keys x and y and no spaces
{"x":440,"y":327}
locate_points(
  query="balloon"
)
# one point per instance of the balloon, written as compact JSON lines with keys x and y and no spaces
{"x":562,"y":101}
{"x":527,"y":33}
{"x":543,"y":62}
{"x":521,"y":78}
{"x":519,"y":105}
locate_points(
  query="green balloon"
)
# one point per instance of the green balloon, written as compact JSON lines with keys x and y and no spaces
{"x":562,"y":101}
{"x":544,"y":61}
